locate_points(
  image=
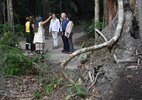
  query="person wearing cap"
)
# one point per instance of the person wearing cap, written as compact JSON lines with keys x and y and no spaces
{"x":27,"y":30}
{"x":39,"y":38}
{"x":54,"y":28}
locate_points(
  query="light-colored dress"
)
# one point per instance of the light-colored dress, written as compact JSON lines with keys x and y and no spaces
{"x":39,"y":38}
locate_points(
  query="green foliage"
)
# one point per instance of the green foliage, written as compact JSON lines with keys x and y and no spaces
{"x":10,"y":38}
{"x":69,"y":97}
{"x":48,"y":88}
{"x":77,"y":89}
{"x":83,"y":45}
{"x":14,"y":61}
{"x":51,"y":84}
{"x":88,"y":26}
{"x":37,"y":94}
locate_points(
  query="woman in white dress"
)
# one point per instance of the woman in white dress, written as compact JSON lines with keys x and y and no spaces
{"x":39,"y":38}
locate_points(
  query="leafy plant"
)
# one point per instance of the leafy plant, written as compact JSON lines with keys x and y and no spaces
{"x":14,"y":61}
{"x":77,"y":89}
{"x":48,"y":88}
{"x":37,"y":94}
{"x":88,"y":26}
{"x":10,"y":38}
{"x":51,"y":84}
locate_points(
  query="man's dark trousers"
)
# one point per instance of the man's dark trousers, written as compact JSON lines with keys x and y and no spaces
{"x":65,"y":42}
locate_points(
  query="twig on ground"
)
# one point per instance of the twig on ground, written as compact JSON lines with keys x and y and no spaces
{"x":11,"y":76}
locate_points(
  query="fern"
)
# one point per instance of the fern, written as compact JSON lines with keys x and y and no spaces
{"x":12,"y":59}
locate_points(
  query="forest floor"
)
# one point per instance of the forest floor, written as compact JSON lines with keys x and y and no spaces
{"x":31,"y":85}
{"x":48,"y":83}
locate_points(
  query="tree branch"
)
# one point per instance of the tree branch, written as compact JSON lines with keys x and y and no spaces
{"x":109,"y":43}
{"x":100,"y":33}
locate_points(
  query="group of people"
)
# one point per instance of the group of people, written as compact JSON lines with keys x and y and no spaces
{"x":35,"y":37}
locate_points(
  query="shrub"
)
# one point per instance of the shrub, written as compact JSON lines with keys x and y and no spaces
{"x":10,"y":38}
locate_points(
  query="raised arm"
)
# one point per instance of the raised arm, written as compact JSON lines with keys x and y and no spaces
{"x":44,"y":22}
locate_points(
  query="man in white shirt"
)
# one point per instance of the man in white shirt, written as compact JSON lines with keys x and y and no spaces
{"x":54,"y":29}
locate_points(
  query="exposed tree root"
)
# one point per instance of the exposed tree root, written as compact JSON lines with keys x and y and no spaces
{"x":97,"y":75}
{"x":109,"y":43}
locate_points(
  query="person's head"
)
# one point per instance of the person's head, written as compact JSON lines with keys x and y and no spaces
{"x":39,"y":19}
{"x":27,"y":18}
{"x":69,"y":17}
{"x":33,"y":19}
{"x":63,"y":15}
{"x":53,"y":16}
{"x":30,"y":17}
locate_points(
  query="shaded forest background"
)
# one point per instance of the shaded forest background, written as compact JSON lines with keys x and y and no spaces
{"x":80,"y":9}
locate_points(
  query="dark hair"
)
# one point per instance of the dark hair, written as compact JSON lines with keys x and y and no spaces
{"x":50,"y":14}
{"x":69,"y":17}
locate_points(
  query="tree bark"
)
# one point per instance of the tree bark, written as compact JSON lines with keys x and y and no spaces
{"x":96,"y":18}
{"x":139,"y":2}
{"x":109,"y":43}
{"x":10,"y":14}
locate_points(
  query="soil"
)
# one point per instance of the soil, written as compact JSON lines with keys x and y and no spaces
{"x":129,"y":86}
{"x":126,"y":86}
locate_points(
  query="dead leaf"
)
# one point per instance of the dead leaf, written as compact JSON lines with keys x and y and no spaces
{"x":132,"y":67}
{"x":94,"y":89}
{"x":129,"y":76}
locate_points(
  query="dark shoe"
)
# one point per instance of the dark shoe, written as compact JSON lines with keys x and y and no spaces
{"x":56,"y":47}
{"x":27,"y":47}
{"x":64,"y":51}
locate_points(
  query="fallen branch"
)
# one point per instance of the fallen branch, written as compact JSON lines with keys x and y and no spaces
{"x":109,"y":43}
{"x":127,"y":60}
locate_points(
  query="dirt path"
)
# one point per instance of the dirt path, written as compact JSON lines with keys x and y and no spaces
{"x":56,"y":56}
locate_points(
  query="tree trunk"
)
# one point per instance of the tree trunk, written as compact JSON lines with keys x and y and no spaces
{"x":10,"y":14}
{"x":96,"y":17}
{"x":4,"y":16}
{"x":109,"y":43}
{"x":139,"y":2}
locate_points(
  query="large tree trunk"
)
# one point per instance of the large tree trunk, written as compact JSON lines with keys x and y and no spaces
{"x":140,"y":15}
{"x":109,"y":43}
{"x":96,"y":9}
{"x":96,"y":16}
{"x":10,"y":14}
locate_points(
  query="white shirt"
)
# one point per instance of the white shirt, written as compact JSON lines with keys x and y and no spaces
{"x":54,"y":25}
